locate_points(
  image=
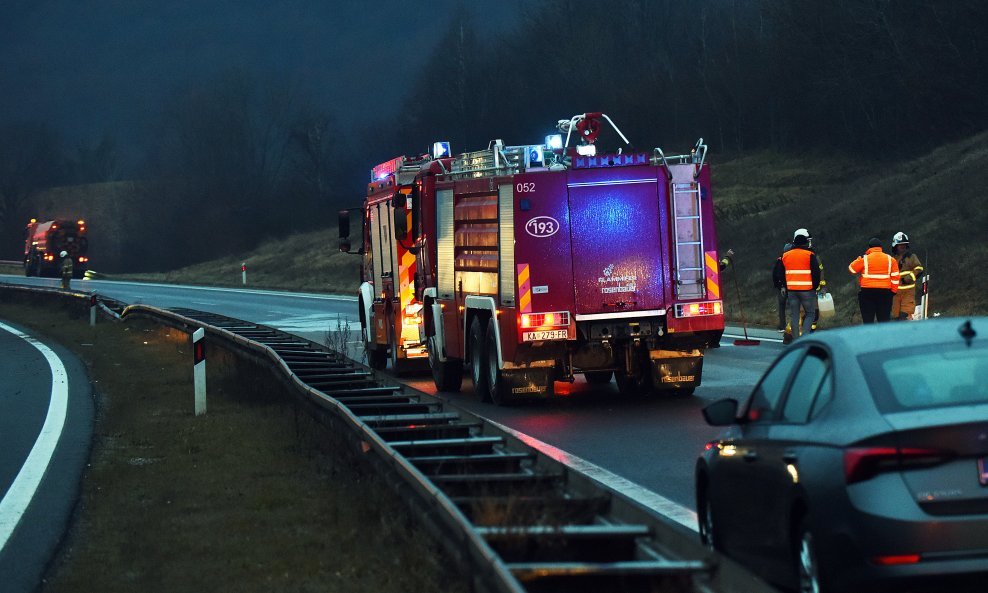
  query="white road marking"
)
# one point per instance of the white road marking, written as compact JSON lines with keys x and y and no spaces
{"x":313,"y":322}
{"x":303,"y":295}
{"x":636,"y":492}
{"x":25,"y":484}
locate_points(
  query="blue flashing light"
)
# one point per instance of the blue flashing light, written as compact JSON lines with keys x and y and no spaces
{"x":554,"y":141}
{"x":536,"y":156}
{"x":440,"y":150}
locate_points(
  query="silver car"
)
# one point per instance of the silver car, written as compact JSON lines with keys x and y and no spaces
{"x":860,"y":461}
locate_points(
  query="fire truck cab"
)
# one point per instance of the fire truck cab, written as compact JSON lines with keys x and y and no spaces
{"x":531,"y":264}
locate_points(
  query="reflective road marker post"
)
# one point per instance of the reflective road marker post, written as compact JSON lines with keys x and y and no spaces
{"x":199,"y":369}
{"x":243,"y":271}
{"x":92,"y":310}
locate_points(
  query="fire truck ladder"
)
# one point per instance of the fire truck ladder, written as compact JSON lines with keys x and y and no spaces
{"x":688,"y":240}
{"x":495,"y":160}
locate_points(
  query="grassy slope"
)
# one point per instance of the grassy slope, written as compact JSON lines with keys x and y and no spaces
{"x":938,"y":199}
{"x":304,"y":262}
{"x":251,"y":497}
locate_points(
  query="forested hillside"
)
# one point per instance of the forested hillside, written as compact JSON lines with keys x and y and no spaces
{"x":774,"y":86}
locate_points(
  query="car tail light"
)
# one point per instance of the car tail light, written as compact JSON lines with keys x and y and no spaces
{"x":895,"y":560}
{"x":863,"y":463}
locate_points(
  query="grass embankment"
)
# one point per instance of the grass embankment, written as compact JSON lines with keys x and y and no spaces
{"x":12,"y":270}
{"x":253,"y":496}
{"x":938,"y":199}
{"x":308,"y":262}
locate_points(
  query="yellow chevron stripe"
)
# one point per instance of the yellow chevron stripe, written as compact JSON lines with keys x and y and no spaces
{"x":525,"y":302}
{"x":523,"y":276}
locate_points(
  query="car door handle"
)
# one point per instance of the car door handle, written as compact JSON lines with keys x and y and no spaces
{"x":789,"y":457}
{"x":751,"y":456}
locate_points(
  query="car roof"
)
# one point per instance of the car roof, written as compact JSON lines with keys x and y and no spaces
{"x":876,"y":337}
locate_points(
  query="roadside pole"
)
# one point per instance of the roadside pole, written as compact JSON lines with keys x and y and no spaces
{"x":243,"y":271}
{"x":199,"y":369}
{"x":92,"y":310}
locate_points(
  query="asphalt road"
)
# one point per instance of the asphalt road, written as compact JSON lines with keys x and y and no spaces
{"x":651,"y":441}
{"x":46,"y":418}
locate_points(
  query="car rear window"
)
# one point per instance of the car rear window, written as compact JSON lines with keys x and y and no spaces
{"x":928,"y":377}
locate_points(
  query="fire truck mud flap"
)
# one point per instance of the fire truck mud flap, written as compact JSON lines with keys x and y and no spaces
{"x":676,"y":370}
{"x":528,"y":383}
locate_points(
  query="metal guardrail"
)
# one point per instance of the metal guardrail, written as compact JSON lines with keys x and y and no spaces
{"x":11,"y":262}
{"x":514,"y":518}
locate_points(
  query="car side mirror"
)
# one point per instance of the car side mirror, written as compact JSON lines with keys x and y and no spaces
{"x":344,"y":224}
{"x":723,"y":412}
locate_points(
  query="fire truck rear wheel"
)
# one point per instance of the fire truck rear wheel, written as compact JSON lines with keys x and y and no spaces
{"x":448,"y":375}
{"x":376,"y":359}
{"x":478,"y":360}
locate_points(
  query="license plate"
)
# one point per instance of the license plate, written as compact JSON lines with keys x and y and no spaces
{"x":983,"y":471}
{"x":550,"y":334}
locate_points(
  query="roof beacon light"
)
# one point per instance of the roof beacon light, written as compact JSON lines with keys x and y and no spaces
{"x":440,"y":150}
{"x":536,"y":156}
{"x":554,"y":141}
{"x":586,"y":150}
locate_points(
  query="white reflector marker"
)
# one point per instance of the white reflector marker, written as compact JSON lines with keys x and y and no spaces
{"x":26,"y":483}
{"x":199,"y":369}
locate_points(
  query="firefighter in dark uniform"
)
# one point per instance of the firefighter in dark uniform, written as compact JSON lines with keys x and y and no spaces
{"x":910,"y":274}
{"x":66,"y":270}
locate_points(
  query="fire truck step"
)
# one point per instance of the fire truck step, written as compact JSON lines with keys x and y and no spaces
{"x":462,"y":464}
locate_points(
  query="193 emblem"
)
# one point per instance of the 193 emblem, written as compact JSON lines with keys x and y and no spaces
{"x":542,"y":226}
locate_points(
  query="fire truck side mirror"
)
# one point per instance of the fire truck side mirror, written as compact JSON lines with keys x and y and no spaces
{"x":344,"y":219}
{"x":401,"y":223}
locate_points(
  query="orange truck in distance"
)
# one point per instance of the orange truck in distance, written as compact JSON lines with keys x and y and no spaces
{"x":45,"y":241}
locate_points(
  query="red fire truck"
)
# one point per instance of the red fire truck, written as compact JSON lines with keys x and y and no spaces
{"x":45,"y":241}
{"x":529,"y":264}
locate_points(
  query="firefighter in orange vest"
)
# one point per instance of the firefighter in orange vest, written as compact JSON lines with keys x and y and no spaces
{"x":801,"y":270}
{"x":779,"y":279}
{"x":879,"y":280}
{"x":910,"y":271}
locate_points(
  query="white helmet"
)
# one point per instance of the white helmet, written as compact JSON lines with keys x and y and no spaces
{"x":900,"y":237}
{"x":63,"y":254}
{"x":802,"y":233}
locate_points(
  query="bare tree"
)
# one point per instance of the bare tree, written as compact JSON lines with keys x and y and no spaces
{"x":31,"y":159}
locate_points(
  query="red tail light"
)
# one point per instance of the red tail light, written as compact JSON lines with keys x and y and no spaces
{"x":894,"y":560}
{"x":864,"y":463}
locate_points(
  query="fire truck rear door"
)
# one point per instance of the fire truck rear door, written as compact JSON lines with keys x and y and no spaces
{"x":617,"y":245}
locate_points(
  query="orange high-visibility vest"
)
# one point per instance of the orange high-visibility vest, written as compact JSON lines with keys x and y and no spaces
{"x":877,"y":269}
{"x":796,"y":262}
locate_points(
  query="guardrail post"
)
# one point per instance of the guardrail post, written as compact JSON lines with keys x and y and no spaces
{"x":199,"y":369}
{"x":92,"y":310}
{"x":243,"y":271}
